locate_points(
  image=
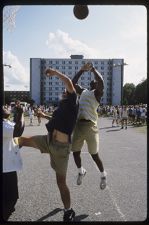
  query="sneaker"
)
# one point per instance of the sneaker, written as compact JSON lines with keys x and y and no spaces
{"x":80,"y":177}
{"x":69,"y":215}
{"x":103,"y":183}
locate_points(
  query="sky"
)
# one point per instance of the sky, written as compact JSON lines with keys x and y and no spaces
{"x":52,"y":31}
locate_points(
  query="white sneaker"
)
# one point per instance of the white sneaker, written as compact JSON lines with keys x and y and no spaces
{"x":103,"y":182}
{"x":80,"y":177}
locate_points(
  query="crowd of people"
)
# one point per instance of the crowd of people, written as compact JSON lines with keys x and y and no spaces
{"x":134,"y":115}
{"x":128,"y":114}
{"x":71,"y":123}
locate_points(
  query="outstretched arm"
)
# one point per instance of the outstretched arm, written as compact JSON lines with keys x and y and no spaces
{"x":67,"y":81}
{"x":43,"y":115}
{"x":100,"y":84}
{"x":75,"y":79}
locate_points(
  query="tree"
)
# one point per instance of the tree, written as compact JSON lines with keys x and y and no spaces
{"x":140,"y":94}
{"x":128,"y":93}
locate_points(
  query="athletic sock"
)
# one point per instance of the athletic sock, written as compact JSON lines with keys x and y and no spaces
{"x":65,"y":210}
{"x":103,"y":174}
{"x":81,"y":170}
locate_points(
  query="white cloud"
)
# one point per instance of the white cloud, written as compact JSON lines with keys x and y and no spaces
{"x":62,"y":45}
{"x":16,"y":77}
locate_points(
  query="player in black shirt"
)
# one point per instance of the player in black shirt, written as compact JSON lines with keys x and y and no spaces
{"x":57,"y":142}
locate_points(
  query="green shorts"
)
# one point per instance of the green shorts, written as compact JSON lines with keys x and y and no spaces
{"x":59,"y":152}
{"x":85,"y":131}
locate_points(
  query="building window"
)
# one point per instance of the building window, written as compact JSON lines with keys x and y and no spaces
{"x":63,"y":62}
{"x":109,"y":62}
{"x":76,"y":62}
{"x":70,"y":62}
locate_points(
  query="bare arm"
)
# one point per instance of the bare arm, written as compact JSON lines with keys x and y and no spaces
{"x":75,"y":79}
{"x":43,"y":115}
{"x":100,"y":84}
{"x":67,"y":81}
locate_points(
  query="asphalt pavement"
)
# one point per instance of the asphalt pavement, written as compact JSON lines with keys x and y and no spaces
{"x":124,"y":155}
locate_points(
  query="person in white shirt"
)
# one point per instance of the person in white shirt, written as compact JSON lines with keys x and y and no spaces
{"x":86,"y":128}
{"x":12,"y":162}
{"x":115,"y":115}
{"x":31,"y":115}
{"x":143,"y":115}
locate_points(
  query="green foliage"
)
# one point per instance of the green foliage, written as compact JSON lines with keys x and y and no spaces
{"x":128,"y":93}
{"x":141,"y":92}
{"x":135,"y":94}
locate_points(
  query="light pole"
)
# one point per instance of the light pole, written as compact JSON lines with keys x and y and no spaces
{"x":7,"y":65}
{"x":121,"y":65}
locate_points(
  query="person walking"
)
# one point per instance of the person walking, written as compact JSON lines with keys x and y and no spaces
{"x":115,"y":113}
{"x":58,"y":140}
{"x":124,"y":117}
{"x":38,"y":110}
{"x":86,"y":127}
{"x":31,"y":115}
{"x":18,"y":119}
{"x":12,"y":163}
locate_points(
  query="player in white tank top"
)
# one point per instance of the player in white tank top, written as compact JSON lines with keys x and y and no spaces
{"x":87,"y":122}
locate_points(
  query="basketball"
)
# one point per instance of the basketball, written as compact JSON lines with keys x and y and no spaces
{"x":81,"y":11}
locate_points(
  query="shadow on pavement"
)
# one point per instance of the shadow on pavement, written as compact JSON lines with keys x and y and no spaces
{"x":104,"y":128}
{"x":50,"y":214}
{"x":113,"y":130}
{"x":80,"y":217}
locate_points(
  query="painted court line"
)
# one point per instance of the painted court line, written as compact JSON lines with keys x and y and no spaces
{"x":116,"y":205}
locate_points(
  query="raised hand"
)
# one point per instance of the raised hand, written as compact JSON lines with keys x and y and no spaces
{"x":50,"y":72}
{"x":86,"y":67}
